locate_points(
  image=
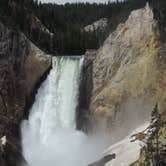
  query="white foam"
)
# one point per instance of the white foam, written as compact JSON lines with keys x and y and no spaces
{"x":49,"y":137}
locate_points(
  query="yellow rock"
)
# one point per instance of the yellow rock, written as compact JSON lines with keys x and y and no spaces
{"x":130,"y":66}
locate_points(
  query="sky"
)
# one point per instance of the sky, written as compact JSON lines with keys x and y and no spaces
{"x":71,"y":1}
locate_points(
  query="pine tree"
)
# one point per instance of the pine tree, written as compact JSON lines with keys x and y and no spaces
{"x":156,"y":150}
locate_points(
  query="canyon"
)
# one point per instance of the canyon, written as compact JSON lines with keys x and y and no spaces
{"x":120,"y":84}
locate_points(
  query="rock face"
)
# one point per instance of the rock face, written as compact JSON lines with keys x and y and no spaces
{"x":85,"y":90}
{"x":97,"y":25}
{"x":22,"y":64}
{"x":129,"y":72}
{"x":33,"y":27}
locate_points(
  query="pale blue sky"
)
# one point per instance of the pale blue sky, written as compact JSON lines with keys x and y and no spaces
{"x":64,"y":1}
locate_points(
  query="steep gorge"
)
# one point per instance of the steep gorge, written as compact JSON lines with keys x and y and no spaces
{"x":123,"y":80}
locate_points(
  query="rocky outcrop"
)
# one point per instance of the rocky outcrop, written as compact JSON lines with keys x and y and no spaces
{"x":129,"y":72}
{"x":128,"y":79}
{"x":36,"y":68}
{"x":29,"y":24}
{"x":22,"y":64}
{"x":98,"y":25}
{"x":83,"y":114}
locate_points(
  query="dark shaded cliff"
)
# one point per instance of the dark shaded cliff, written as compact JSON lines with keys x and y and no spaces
{"x":19,"y":14}
{"x":84,"y":119}
{"x":14,"y":49}
{"x":22,"y":65}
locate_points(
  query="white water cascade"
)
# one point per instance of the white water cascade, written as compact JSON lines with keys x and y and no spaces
{"x":49,"y":136}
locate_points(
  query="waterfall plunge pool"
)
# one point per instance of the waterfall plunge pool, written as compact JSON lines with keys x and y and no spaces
{"x":49,"y":136}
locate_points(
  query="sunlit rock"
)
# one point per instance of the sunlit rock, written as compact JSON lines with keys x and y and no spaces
{"x":97,"y":25}
{"x":129,"y":72}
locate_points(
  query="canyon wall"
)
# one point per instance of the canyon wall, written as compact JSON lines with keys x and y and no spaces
{"x":22,"y":65}
{"x":128,"y":78}
{"x":129,"y":73}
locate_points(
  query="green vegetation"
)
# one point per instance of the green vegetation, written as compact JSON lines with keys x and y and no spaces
{"x":66,"y":22}
{"x":156,"y":143}
{"x":154,"y":152}
{"x":159,"y":7}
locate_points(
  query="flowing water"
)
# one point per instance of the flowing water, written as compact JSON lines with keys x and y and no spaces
{"x":49,"y":136}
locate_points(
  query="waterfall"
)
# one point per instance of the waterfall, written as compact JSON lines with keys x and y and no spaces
{"x":49,"y":136}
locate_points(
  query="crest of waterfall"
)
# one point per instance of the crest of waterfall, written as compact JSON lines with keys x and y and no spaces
{"x":49,"y":136}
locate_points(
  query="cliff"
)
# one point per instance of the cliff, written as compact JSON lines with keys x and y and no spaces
{"x":128,"y":75}
{"x":22,"y":65}
{"x":20,"y":14}
{"x":129,"y":78}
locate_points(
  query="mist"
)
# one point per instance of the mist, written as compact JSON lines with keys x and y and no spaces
{"x":49,"y":136}
{"x":65,"y":148}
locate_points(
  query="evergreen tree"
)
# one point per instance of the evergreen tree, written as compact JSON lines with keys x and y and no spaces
{"x":156,"y":149}
{"x":67,"y":22}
